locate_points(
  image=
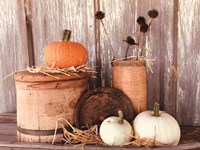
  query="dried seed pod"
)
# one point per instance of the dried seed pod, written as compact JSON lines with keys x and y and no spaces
{"x":153,"y":13}
{"x":99,"y":15}
{"x":130,"y":40}
{"x":144,"y":28}
{"x":141,"y":20}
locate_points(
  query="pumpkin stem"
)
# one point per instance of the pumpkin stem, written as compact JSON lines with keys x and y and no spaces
{"x":66,"y":35}
{"x":156,"y":110}
{"x":121,"y":117}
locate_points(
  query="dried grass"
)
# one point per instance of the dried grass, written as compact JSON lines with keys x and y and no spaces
{"x":147,"y":142}
{"x":49,"y":71}
{"x":194,"y":132}
{"x":77,"y":136}
{"x":174,"y":70}
{"x":149,"y":62}
{"x":92,"y":137}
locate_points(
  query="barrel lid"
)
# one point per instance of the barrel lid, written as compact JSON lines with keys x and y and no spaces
{"x":26,"y":76}
{"x":98,"y":104}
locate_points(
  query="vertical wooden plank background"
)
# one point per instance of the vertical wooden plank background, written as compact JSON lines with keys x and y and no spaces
{"x":168,"y":56}
{"x":28,"y":25}
{"x":13,"y":49}
{"x":119,"y":23}
{"x":188,"y":93}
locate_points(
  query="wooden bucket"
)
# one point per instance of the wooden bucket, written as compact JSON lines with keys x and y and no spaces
{"x":130,"y":77}
{"x":42,"y":100}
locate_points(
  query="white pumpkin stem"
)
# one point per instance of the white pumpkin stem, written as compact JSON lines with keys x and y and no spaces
{"x":66,"y":35}
{"x":121,"y":117}
{"x":156,"y":110}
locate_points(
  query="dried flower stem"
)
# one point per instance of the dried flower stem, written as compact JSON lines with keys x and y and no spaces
{"x":150,"y":21}
{"x":127,"y":52}
{"x":143,"y":44}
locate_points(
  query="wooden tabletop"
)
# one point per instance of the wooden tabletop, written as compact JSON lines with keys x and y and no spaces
{"x":190,"y":139}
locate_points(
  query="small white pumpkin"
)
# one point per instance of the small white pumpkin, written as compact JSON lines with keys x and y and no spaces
{"x":157,"y":125}
{"x":116,"y":131}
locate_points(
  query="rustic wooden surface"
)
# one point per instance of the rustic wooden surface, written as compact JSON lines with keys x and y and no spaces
{"x":188,"y":87}
{"x":28,"y":25}
{"x":190,"y":139}
{"x":13,"y":49}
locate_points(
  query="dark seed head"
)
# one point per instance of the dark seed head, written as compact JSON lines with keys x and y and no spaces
{"x":130,"y":40}
{"x":99,"y":15}
{"x":141,"y":20}
{"x":144,"y":28}
{"x":153,"y":13}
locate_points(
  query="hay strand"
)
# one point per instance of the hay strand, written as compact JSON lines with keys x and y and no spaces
{"x":149,"y":62}
{"x":92,"y":137}
{"x":66,"y":71}
{"x":77,"y":136}
{"x":9,"y":75}
{"x":49,"y":71}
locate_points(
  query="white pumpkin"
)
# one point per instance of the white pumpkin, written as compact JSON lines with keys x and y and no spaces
{"x":116,"y":131}
{"x":157,"y":125}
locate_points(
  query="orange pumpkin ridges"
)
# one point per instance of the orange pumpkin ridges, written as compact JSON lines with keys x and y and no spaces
{"x":65,"y":54}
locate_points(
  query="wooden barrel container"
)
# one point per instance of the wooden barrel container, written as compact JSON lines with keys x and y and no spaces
{"x":130,"y":77}
{"x":42,"y":100}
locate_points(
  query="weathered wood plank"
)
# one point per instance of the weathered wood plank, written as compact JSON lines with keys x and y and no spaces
{"x":8,"y":132}
{"x":8,"y":118}
{"x":27,"y":10}
{"x":42,"y":146}
{"x":14,"y":49}
{"x":168,"y":57}
{"x":188,"y":94}
{"x":119,"y":22}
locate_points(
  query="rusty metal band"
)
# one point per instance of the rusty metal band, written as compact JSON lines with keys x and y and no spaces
{"x":39,"y":132}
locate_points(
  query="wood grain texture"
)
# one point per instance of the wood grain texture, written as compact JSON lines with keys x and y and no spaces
{"x":42,"y":103}
{"x":119,"y":22}
{"x":188,"y":94}
{"x":168,"y":56}
{"x":13,"y":49}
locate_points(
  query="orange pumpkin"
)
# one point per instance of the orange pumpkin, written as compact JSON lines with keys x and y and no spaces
{"x":65,"y":54}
